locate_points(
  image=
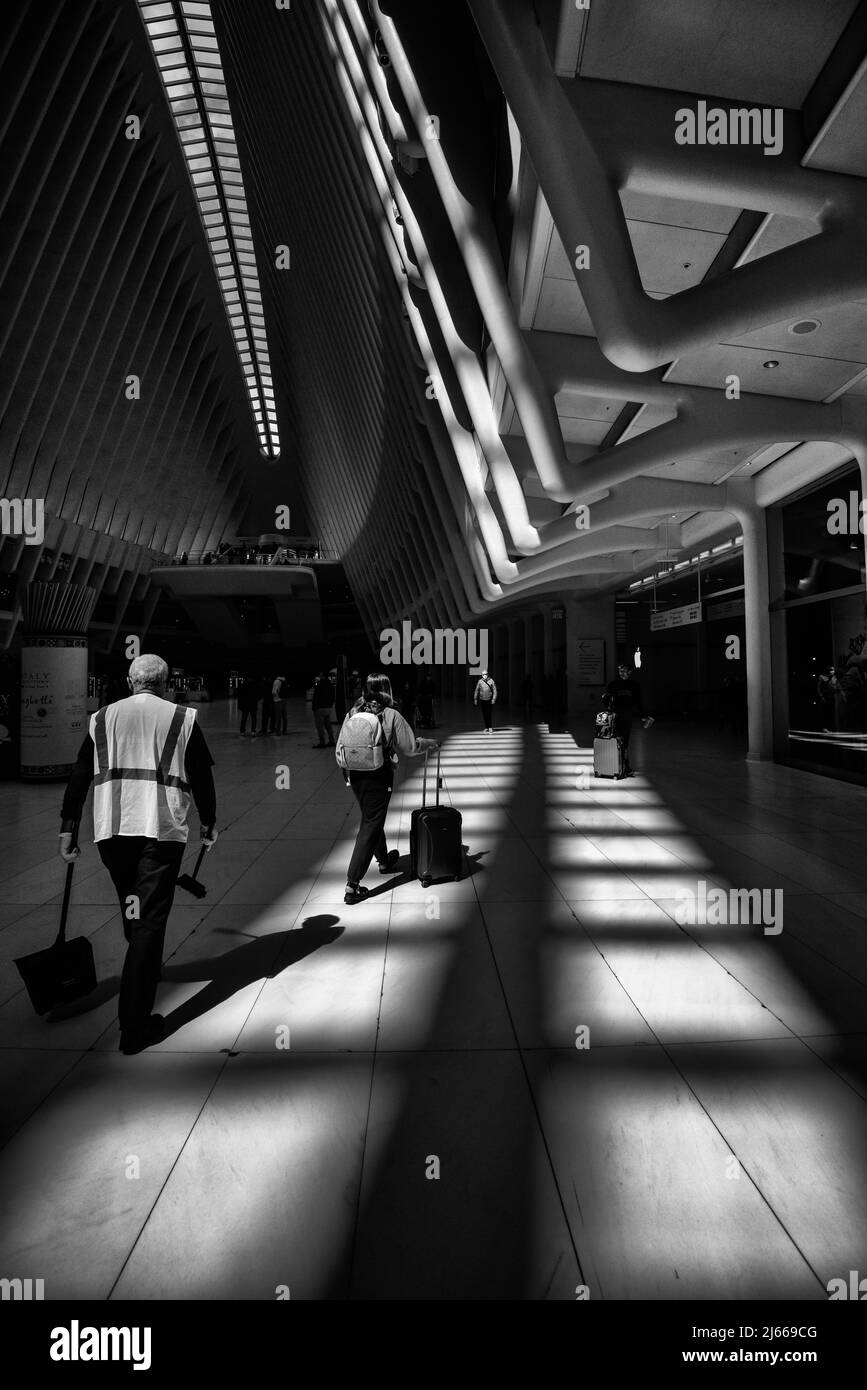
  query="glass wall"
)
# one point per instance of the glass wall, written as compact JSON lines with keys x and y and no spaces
{"x":695,"y":672}
{"x":826,"y":627}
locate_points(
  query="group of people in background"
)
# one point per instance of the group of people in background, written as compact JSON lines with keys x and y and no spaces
{"x":272,"y":693}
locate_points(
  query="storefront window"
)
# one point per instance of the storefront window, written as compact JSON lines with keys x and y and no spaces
{"x":826,"y":627}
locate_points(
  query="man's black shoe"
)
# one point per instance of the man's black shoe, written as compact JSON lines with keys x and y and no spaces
{"x":391,"y":862}
{"x":153,"y":1032}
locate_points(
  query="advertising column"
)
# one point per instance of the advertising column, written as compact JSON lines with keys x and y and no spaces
{"x":53,"y":705}
{"x":53,"y":679}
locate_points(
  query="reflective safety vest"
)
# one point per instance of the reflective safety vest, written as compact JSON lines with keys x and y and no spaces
{"x":139,"y":784}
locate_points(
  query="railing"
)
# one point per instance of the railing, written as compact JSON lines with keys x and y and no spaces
{"x":258,"y":557}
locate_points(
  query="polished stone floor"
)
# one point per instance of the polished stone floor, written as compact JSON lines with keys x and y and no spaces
{"x":398,"y":1100}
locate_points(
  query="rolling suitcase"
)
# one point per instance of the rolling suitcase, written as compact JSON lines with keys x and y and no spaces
{"x":435,"y":847}
{"x":608,"y":758}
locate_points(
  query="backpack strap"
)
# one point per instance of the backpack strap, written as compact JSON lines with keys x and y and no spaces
{"x":385,"y":738}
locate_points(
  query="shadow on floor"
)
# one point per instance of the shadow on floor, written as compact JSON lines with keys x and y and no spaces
{"x":261,"y":959}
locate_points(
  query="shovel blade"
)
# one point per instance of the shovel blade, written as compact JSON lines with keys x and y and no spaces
{"x":191,"y":885}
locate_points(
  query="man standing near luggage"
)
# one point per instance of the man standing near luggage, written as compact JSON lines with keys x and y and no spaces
{"x":146,"y":757}
{"x":626,"y":702}
{"x":485,"y":696}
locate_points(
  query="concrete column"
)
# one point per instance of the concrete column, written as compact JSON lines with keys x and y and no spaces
{"x":758,"y":634}
{"x":547,"y":660}
{"x":516,"y":661}
{"x":499,"y":659}
{"x":588,"y":618}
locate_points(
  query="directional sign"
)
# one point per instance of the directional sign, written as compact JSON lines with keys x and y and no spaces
{"x":591,"y":661}
{"x":676,"y":617}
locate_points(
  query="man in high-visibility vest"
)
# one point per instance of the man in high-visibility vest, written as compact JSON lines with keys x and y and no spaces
{"x":147,"y":758}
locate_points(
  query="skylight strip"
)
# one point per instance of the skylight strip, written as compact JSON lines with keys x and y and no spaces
{"x":183,"y":39}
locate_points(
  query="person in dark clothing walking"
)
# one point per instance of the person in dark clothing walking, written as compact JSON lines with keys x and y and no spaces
{"x":264,"y":690}
{"x":427,"y":690}
{"x":147,"y":758}
{"x":624,"y":695}
{"x":372,"y":790}
{"x":485,"y":697}
{"x":248,"y":702}
{"x":322,"y":704}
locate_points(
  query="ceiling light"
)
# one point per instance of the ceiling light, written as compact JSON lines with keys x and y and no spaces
{"x":771,"y":363}
{"x":804,"y":326}
{"x":203,"y":122}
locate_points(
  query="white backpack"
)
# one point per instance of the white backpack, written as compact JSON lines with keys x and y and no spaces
{"x":361,"y":745}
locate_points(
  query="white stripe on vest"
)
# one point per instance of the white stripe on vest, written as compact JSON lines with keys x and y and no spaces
{"x":139,"y":785}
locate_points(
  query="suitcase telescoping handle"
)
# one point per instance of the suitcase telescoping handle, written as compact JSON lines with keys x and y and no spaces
{"x":424,"y":779}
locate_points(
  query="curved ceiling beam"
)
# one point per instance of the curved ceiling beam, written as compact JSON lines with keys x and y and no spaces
{"x":466,"y":362}
{"x":471,"y":222}
{"x":462,"y":443}
{"x":634,"y":331}
{"x":632,"y":128}
{"x":601,"y":540}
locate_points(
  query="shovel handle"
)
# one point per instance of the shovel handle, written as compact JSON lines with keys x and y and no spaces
{"x":202,"y":852}
{"x":67,"y":889}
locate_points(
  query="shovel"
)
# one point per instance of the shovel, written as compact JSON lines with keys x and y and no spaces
{"x":190,"y":882}
{"x":65,"y":970}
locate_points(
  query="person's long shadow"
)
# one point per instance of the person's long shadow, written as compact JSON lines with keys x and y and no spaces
{"x":261,"y":959}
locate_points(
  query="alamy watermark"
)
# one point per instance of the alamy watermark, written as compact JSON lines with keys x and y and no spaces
{"x":23,"y":517}
{"x":855,"y":1288}
{"x":718,"y":125}
{"x":846,"y":516}
{"x":714,"y":907}
{"x":22,"y":1290}
{"x":440,"y":646}
{"x":77,"y":1343}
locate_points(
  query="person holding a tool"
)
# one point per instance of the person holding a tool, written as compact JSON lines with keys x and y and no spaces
{"x":147,"y":758}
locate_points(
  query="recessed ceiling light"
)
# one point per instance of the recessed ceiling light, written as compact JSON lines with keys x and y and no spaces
{"x":805,"y":326}
{"x":771,"y":362}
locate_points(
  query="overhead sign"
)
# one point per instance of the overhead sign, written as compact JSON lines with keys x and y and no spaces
{"x":591,"y":661}
{"x":734,"y":609}
{"x":676,"y":617}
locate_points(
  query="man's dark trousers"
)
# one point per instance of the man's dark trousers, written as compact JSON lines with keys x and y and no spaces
{"x":146,"y":870}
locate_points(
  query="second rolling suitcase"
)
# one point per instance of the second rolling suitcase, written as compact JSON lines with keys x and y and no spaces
{"x":435,"y":837}
{"x":608,"y":759}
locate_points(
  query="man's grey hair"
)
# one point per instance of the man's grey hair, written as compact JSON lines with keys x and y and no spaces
{"x":148,"y":672}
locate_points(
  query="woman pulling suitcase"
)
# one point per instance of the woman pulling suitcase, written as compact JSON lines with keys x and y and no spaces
{"x":373,"y":732}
